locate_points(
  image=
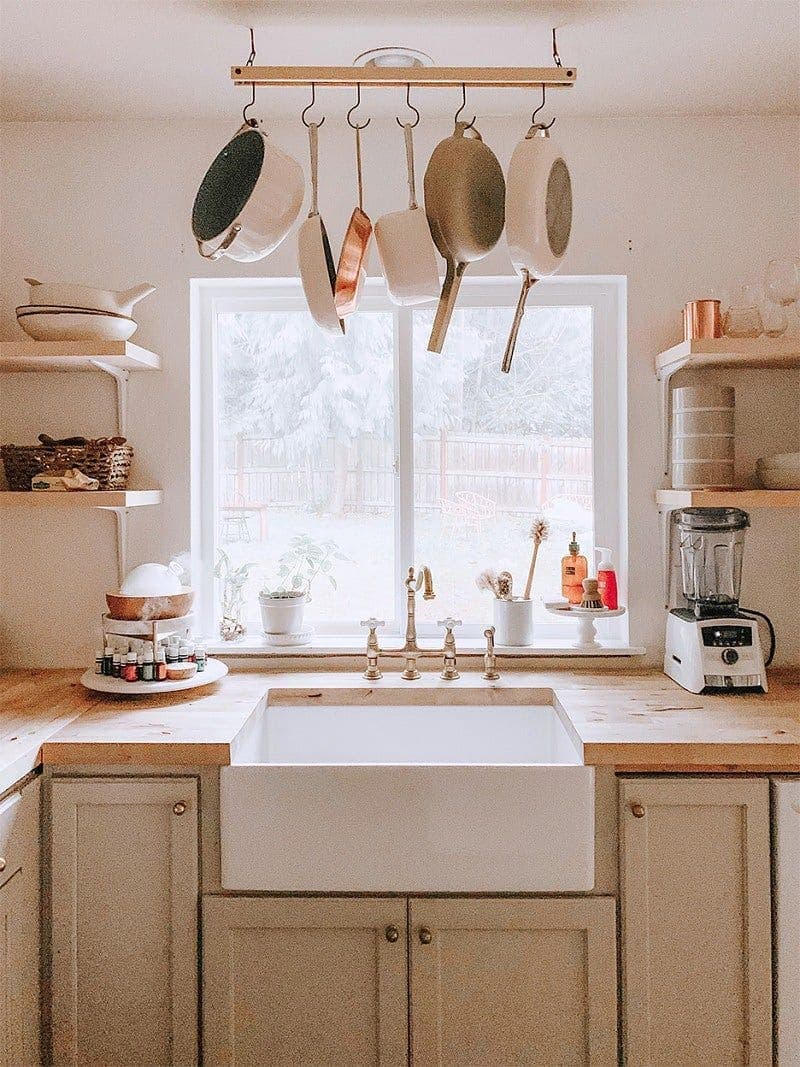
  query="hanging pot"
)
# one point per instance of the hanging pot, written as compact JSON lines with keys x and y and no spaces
{"x":464,"y":202}
{"x":538,"y":216}
{"x":314,"y":256}
{"x":249,"y":199}
{"x":405,"y":248}
{"x":351,"y":272}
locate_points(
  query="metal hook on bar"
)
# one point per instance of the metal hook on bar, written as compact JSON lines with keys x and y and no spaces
{"x":357,"y":104}
{"x":541,"y":125}
{"x":463,"y":105}
{"x":412,"y":108}
{"x":556,"y":56}
{"x":308,"y":108}
{"x":250,"y":60}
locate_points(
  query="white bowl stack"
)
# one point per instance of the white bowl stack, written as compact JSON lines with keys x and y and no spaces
{"x":781,"y":471}
{"x":702,"y":437}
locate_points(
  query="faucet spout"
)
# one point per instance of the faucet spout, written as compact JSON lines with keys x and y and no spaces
{"x":414,"y":582}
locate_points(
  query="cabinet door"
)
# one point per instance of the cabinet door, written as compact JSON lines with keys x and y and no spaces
{"x":499,"y":982}
{"x":696,"y":921}
{"x":19,"y":929}
{"x":787,"y":919}
{"x":290,"y":981}
{"x":124,"y":921}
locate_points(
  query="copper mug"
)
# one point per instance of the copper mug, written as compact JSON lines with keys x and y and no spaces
{"x":702,"y":319}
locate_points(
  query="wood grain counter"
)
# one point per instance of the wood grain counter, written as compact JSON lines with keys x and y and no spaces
{"x":631,"y":720}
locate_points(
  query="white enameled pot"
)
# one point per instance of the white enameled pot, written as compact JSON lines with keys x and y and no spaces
{"x":249,"y":199}
{"x":85,"y":297}
{"x":538,"y":216}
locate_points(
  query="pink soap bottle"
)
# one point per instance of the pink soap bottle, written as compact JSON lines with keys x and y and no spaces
{"x":607,"y":579}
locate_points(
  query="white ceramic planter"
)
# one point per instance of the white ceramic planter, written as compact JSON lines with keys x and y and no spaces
{"x":282,"y":613}
{"x":513,"y":621}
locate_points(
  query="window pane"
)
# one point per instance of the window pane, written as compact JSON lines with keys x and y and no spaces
{"x":494,"y":451}
{"x":305,"y":448}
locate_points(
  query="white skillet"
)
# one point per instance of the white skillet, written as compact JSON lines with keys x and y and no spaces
{"x":538,"y":216}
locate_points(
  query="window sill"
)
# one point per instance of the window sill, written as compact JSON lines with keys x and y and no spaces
{"x":257,"y":647}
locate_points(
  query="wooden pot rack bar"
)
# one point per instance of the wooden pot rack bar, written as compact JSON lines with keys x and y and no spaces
{"x":427,"y":77}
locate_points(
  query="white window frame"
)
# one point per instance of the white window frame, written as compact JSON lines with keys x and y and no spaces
{"x":606,"y":295}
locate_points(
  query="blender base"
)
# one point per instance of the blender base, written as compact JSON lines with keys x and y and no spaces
{"x":717,"y":654}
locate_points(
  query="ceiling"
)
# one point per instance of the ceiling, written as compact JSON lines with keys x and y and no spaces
{"x":155,"y":59}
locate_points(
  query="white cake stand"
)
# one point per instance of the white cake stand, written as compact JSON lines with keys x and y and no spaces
{"x":586,"y":618}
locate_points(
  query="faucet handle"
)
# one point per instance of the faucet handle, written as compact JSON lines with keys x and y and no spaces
{"x":449,"y":622}
{"x":373,"y":623}
{"x":373,"y":671}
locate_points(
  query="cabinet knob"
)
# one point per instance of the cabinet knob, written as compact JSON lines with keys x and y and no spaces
{"x":2,"y":863}
{"x":637,"y":810}
{"x":392,"y":934}
{"x":179,"y":807}
{"x":425,"y":935}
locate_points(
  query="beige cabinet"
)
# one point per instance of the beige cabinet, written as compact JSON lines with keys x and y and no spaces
{"x":498,"y":982}
{"x":695,"y":879}
{"x":304,"y":981}
{"x":19,"y":928}
{"x":124,"y":897}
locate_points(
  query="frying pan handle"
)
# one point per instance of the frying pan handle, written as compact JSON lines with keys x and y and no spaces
{"x":447,"y":301}
{"x":412,"y":189}
{"x":223,"y":246}
{"x":511,"y":344}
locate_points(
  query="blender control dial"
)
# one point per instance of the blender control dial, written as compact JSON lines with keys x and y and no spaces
{"x":730,"y":655}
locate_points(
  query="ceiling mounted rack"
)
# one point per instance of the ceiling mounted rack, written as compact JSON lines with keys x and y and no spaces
{"x":427,"y":77}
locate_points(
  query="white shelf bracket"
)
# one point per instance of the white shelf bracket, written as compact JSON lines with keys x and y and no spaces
{"x":664,"y":394}
{"x":121,"y":378}
{"x":121,"y":517}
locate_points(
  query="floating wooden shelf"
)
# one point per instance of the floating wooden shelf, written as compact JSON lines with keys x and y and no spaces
{"x":728,"y":498}
{"x":730,"y":352}
{"x":114,"y":498}
{"x":109,"y":356}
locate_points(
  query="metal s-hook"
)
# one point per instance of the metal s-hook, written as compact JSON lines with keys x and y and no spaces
{"x":542,"y":125}
{"x":463,"y":105}
{"x":249,"y":63}
{"x":357,"y":104}
{"x":308,"y":108}
{"x":409,"y":105}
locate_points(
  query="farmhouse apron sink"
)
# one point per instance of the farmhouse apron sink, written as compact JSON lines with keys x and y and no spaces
{"x":379,"y":796}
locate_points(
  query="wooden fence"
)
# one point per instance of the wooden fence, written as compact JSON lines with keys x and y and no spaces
{"x":519,"y":474}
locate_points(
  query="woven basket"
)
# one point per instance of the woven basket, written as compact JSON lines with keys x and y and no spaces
{"x":108,"y":461}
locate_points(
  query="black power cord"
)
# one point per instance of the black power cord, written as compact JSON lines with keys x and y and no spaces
{"x":751,"y":613}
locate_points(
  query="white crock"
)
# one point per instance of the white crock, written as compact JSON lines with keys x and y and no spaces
{"x":513,"y":622}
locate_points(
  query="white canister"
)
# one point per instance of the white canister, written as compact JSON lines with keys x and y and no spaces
{"x":513,"y":622}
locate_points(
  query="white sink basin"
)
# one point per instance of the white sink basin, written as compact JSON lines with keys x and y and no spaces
{"x":380,"y":797}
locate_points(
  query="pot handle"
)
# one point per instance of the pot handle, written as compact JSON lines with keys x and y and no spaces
{"x":511,"y":344}
{"x":224,"y":244}
{"x":412,"y":189}
{"x":447,"y":301}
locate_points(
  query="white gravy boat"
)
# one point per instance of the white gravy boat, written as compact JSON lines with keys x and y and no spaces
{"x":59,"y":294}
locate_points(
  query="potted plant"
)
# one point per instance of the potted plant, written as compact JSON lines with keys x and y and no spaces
{"x":232,"y":580}
{"x":282,"y":607}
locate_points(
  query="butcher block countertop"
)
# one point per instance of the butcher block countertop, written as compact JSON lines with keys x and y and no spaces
{"x":628,"y":719}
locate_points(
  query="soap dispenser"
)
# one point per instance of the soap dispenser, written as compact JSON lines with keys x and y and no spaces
{"x":607,"y":578}
{"x":574,"y":569}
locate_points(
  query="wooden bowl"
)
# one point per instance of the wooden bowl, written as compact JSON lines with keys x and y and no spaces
{"x":149,"y":608}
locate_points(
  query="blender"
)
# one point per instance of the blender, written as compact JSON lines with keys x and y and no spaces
{"x":711,"y":642}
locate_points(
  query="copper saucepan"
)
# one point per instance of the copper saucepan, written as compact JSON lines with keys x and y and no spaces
{"x":465,"y":203}
{"x":351,"y":272}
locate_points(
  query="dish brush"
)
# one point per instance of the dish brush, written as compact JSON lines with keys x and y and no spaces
{"x":591,"y":596}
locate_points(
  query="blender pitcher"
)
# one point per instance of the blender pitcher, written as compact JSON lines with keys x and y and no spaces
{"x":711,"y":549}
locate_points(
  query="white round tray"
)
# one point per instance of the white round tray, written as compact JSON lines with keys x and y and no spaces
{"x":585,"y":617}
{"x":103,"y":683}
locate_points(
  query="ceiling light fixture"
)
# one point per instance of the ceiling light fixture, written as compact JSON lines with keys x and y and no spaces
{"x":393,"y":56}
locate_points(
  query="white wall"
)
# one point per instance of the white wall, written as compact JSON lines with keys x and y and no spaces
{"x":679,"y":206}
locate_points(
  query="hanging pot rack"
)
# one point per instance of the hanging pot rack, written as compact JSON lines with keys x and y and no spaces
{"x":558,"y":76}
{"x":427,"y":77}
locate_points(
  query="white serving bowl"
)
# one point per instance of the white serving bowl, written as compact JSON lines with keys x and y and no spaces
{"x":781,"y":461}
{"x":49,"y":323}
{"x":777,"y":478}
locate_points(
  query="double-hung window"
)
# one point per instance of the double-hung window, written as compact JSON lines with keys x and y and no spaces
{"x":370,"y":453}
